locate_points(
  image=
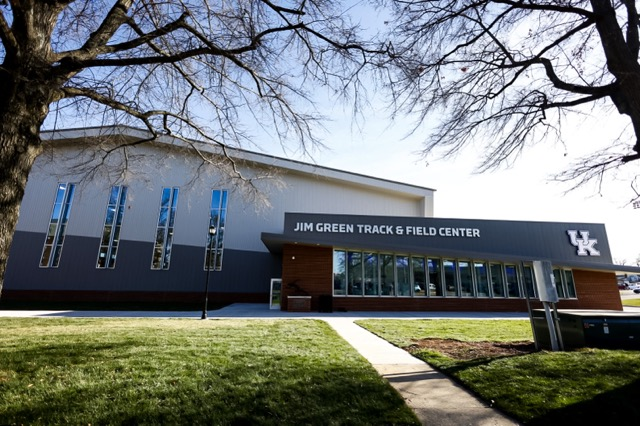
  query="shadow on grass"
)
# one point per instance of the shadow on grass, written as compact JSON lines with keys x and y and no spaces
{"x":114,"y":383}
{"x":617,"y":407}
{"x":613,"y":407}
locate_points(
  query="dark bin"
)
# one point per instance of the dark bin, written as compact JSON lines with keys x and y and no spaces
{"x":325,"y":303}
{"x":594,"y":329}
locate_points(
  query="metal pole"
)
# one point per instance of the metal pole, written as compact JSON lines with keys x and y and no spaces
{"x":552,"y":327}
{"x":556,"y":323}
{"x":528,"y":298}
{"x":212,"y":234}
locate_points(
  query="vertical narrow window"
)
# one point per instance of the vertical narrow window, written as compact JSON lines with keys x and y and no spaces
{"x":450,"y":277}
{"x":557,"y":275}
{"x":435,"y":277}
{"x":215,"y":234}
{"x":466,"y":278}
{"x":371,"y":282}
{"x":403,"y":275}
{"x":354,"y":273}
{"x":111,"y":230}
{"x":387,"y":277}
{"x":339,"y":272}
{"x":164,"y":231}
{"x":419,"y":276}
{"x":57,"y":226}
{"x":512,"y":281}
{"x":497,"y":280}
{"x":571,"y":285}
{"x":529,"y":283}
{"x":482,"y":279}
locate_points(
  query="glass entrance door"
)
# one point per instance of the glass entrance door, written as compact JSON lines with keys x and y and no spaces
{"x":274,"y":300}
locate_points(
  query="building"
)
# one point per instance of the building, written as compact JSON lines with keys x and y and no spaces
{"x":92,"y":231}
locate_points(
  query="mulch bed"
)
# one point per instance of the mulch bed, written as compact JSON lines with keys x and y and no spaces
{"x":473,"y":350}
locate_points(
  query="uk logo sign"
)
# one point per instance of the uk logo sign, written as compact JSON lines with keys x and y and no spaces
{"x":584,"y":244}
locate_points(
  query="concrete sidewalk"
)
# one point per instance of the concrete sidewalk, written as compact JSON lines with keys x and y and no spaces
{"x":436,"y":399}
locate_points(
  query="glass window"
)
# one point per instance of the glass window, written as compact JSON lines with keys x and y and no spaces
{"x":57,"y":226}
{"x":571,"y":286}
{"x":466,"y":278}
{"x":371,"y":274}
{"x":419,"y":276}
{"x":164,"y":232}
{"x":435,"y":277}
{"x":497,"y":280}
{"x":450,"y":277}
{"x":512,"y":280}
{"x":387,"y":277}
{"x":217,"y":223}
{"x":403,"y":275}
{"x":354,"y":273}
{"x":482,"y":278}
{"x":339,"y":272}
{"x":529,"y":283}
{"x":371,"y":283}
{"x":111,"y":231}
{"x":557,"y":275}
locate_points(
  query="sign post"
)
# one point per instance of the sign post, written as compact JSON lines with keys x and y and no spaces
{"x":548,"y":294}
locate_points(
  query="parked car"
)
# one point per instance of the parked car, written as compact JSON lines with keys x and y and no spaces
{"x":634,"y":287}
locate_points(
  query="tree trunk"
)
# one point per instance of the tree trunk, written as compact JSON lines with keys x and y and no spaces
{"x":28,"y":85}
{"x":622,"y":62}
{"x":19,"y":146}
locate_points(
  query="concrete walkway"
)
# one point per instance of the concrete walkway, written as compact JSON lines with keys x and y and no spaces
{"x":436,"y":399}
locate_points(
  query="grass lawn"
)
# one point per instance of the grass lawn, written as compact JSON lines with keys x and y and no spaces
{"x":155,"y":371}
{"x":589,"y":386}
{"x":631,"y":302}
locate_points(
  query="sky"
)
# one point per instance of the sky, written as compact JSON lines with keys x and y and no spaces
{"x":381,"y":148}
{"x":523,"y":192}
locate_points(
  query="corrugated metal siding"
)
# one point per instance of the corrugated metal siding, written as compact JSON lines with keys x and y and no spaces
{"x":243,"y":272}
{"x":152,"y":167}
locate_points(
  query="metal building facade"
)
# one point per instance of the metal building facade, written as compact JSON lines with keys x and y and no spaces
{"x":76,"y":156}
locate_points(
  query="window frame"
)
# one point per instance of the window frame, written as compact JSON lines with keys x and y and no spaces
{"x":218,"y":220}
{"x":60,"y":213}
{"x":115,"y":228}
{"x":434,"y":269}
{"x":167,"y":229}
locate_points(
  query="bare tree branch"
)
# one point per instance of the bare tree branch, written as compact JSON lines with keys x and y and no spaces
{"x":222,"y":74}
{"x":508,"y":72}
{"x":110,"y":24}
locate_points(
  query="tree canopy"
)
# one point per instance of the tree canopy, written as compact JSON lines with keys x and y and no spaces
{"x":509,"y":72}
{"x":209,"y":70}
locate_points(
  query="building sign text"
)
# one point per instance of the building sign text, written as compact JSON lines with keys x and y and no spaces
{"x":383,"y":229}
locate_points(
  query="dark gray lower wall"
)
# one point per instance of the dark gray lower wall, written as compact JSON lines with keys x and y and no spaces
{"x":242,"y":272}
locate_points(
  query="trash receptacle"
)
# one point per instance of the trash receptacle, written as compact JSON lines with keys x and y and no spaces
{"x":325,"y":303}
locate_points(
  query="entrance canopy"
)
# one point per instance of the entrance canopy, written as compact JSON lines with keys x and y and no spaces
{"x":576,"y":245}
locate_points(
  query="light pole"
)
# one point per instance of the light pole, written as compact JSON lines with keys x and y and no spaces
{"x":212,"y":237}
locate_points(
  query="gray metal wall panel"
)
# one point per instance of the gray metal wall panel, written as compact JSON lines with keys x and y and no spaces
{"x":243,"y":272}
{"x":534,"y":240}
{"x":152,"y":167}
{"x":311,"y":194}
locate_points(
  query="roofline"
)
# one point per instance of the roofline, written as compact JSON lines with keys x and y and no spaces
{"x":255,"y":157}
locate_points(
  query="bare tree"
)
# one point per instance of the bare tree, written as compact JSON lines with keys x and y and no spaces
{"x":208,"y":70}
{"x":508,"y":72}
